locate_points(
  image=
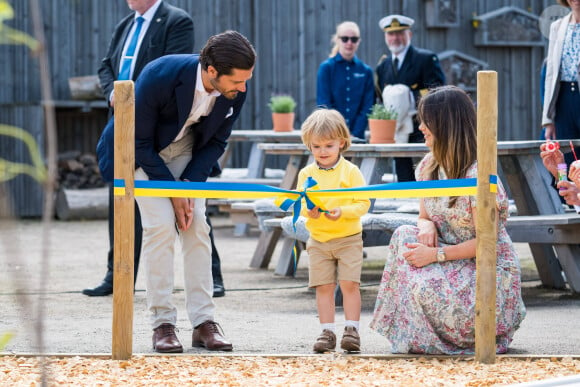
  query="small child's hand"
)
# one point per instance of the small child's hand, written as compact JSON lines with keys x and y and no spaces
{"x":314,"y":213}
{"x":333,"y":214}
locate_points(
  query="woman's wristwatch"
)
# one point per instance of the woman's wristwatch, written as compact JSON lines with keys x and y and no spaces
{"x":441,"y":257}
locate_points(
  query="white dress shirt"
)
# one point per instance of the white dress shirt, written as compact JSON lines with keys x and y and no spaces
{"x":202,"y":104}
{"x":148,"y":16}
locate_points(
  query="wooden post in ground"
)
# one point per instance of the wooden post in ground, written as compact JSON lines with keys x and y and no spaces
{"x":486,"y":225}
{"x":124,"y":236}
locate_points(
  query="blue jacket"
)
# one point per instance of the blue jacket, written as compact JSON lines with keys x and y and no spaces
{"x":163,"y":98}
{"x":348,"y":87}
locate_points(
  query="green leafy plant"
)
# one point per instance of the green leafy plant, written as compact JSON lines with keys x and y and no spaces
{"x":282,"y":104}
{"x":380,"y":112}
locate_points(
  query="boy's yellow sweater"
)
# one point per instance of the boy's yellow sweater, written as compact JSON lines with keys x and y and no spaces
{"x":344,"y":175}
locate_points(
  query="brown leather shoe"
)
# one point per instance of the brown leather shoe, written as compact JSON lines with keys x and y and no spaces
{"x":326,"y":342}
{"x":208,"y":335}
{"x":165,"y":340}
{"x":350,"y":340}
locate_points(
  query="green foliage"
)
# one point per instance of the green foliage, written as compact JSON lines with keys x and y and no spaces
{"x":282,"y":104}
{"x":5,"y":339}
{"x":10,"y":35}
{"x":380,"y":112}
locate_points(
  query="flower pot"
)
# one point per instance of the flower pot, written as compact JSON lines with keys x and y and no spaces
{"x":283,"y":122}
{"x":382,"y":131}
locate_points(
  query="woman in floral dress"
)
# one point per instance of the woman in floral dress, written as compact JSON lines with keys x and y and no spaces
{"x":426,"y":300}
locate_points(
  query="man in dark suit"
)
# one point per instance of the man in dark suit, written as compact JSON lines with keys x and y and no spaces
{"x":185,"y":107}
{"x":416,"y":68}
{"x":164,"y":30}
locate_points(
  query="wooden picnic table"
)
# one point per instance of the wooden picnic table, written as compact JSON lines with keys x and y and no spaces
{"x":521,"y":170}
{"x":255,"y":168}
{"x":257,"y":159}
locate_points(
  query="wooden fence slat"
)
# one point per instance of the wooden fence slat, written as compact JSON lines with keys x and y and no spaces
{"x":486,"y":225}
{"x":124,"y":226}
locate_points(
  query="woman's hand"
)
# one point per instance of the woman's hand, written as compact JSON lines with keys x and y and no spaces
{"x":420,"y":255}
{"x":574,"y":173}
{"x":551,"y":159}
{"x":427,"y":233}
{"x":550,"y":133}
{"x":569,"y":191}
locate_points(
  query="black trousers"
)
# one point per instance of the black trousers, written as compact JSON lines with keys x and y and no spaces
{"x":404,"y":165}
{"x":138,"y":238}
{"x":216,"y":266}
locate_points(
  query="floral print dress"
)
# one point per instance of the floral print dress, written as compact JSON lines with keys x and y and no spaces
{"x":431,"y":310}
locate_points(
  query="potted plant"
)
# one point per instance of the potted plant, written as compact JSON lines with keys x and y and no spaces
{"x":282,"y":107}
{"x":382,"y":124}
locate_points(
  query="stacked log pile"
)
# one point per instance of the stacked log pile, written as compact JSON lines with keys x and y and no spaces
{"x":79,"y":171}
{"x":82,"y":193}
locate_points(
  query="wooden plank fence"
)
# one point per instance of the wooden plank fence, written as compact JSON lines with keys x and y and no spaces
{"x":292,"y":37}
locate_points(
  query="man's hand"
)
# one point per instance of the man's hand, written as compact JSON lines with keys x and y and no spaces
{"x":183,"y":208}
{"x":551,"y":159}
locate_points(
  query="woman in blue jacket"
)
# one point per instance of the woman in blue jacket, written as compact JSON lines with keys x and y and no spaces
{"x":344,"y":82}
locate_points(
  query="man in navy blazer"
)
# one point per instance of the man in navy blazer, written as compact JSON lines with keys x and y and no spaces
{"x":166,"y":30}
{"x":169,"y":31}
{"x":415,"y":67}
{"x":185,"y":107}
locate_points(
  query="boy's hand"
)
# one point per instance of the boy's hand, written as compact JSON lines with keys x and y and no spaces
{"x":333,"y":214}
{"x":314,"y":213}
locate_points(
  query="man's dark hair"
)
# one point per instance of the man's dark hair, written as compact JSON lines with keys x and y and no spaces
{"x":227,"y":51}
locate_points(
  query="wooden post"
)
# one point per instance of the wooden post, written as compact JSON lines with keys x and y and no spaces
{"x":124,"y":236}
{"x":486,"y":226}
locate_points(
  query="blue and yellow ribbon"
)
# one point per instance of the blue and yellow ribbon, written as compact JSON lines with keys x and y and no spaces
{"x":224,"y":190}
{"x":313,"y":197}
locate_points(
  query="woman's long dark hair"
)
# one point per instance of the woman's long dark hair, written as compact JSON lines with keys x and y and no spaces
{"x":449,"y":114}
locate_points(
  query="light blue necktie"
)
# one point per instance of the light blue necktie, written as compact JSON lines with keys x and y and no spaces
{"x":125,"y":72}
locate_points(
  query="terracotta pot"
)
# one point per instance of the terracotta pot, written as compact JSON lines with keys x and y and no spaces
{"x":382,"y":131}
{"x":283,"y":122}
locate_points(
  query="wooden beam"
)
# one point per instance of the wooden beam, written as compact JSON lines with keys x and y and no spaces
{"x":486,"y":225}
{"x":124,"y":224}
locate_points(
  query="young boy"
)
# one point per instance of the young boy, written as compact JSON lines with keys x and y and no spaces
{"x":335,"y":246}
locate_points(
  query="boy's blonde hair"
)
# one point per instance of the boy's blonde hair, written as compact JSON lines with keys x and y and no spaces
{"x":325,"y":124}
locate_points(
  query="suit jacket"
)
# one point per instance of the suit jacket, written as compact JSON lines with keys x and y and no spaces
{"x":163,"y":99}
{"x":420,"y":70}
{"x":552,"y":82}
{"x":170,"y":32}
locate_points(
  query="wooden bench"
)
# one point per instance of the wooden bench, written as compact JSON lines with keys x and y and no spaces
{"x":557,"y":232}
{"x":377,"y":231}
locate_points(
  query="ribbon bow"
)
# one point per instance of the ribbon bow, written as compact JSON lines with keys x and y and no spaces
{"x":296,"y":203}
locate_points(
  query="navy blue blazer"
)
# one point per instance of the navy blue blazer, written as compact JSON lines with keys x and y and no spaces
{"x":170,"y":32}
{"x":420,"y":70}
{"x":163,"y":99}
